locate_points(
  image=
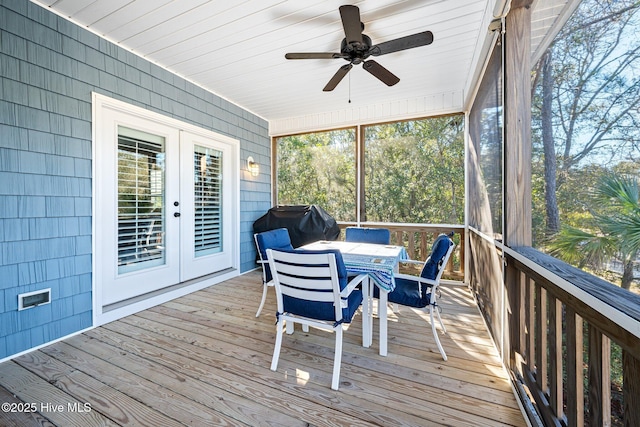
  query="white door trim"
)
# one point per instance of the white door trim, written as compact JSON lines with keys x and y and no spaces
{"x":102,"y":107}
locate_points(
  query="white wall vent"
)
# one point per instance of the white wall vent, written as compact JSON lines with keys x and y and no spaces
{"x":34,"y":299}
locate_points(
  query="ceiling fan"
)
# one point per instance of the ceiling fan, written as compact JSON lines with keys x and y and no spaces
{"x":356,"y":48}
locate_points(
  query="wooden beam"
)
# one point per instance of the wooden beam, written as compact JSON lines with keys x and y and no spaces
{"x":517,"y":161}
{"x":274,"y":175}
{"x":361,"y":214}
{"x":517,"y":144}
{"x":517,"y":4}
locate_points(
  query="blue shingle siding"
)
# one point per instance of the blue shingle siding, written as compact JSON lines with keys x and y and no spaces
{"x":40,"y":335}
{"x":15,"y":229}
{"x":34,"y":272}
{"x":12,"y":137}
{"x":37,"y":316}
{"x":11,"y":183}
{"x":62,"y":307}
{"x":8,"y":273}
{"x":30,"y":206}
{"x":48,"y":69}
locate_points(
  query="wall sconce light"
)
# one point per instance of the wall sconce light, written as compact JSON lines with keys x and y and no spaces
{"x":252,"y":166}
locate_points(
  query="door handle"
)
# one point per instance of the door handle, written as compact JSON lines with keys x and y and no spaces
{"x":176,"y":214}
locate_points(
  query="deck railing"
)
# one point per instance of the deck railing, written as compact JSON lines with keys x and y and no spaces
{"x":417,"y":239}
{"x":570,"y":339}
{"x":579,"y":340}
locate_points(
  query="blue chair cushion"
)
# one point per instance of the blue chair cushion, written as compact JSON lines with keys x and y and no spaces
{"x":438,"y":251}
{"x":380,"y":236}
{"x":324,"y":310}
{"x":273,"y":239}
{"x":407,"y":293}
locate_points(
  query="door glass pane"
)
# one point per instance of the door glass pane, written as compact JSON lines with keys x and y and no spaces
{"x":141,"y":187}
{"x":207,"y":201}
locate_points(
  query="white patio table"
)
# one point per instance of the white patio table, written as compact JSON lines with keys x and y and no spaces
{"x":380,"y":262}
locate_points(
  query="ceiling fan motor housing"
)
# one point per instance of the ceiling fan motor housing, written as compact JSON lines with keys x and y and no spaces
{"x":356,"y":52}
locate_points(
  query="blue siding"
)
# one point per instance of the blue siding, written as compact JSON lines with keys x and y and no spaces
{"x":48,"y":69}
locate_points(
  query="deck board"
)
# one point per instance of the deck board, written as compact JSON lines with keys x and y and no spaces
{"x":203,"y":359}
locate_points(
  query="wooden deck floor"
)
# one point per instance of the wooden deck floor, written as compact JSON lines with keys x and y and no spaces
{"x":203,"y":360}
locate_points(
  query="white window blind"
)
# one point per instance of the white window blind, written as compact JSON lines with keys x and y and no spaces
{"x":141,"y":175}
{"x":208,"y":201}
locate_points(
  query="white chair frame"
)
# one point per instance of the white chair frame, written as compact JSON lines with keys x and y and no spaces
{"x":434,"y":284}
{"x":314,"y":290}
{"x":265,"y":285}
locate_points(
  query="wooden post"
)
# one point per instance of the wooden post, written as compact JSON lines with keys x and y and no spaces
{"x":631,"y":389}
{"x":517,"y":144}
{"x":517,"y":159}
{"x":541,"y":338}
{"x":575,"y":376}
{"x":361,"y":215}
{"x":599,"y":378}
{"x":555,"y":356}
{"x":531,"y":322}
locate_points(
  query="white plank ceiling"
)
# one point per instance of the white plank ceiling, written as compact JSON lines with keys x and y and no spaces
{"x":236,"y":48}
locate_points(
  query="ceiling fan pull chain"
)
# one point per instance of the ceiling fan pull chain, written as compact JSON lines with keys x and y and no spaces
{"x":349,"y":88}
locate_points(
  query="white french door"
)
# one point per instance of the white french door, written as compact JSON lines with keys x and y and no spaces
{"x":165,"y":204}
{"x":206,"y":210}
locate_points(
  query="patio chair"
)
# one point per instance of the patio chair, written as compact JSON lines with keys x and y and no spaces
{"x":312,"y":289}
{"x":272,"y":239}
{"x":422,"y":291}
{"x":381,"y":236}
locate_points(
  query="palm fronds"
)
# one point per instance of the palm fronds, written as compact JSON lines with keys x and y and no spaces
{"x":621,"y":191}
{"x":580,"y":247}
{"x":613,"y":231}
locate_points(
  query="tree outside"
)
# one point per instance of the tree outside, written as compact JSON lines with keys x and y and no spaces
{"x":319,"y":169}
{"x":586,"y":94}
{"x":615,"y":229}
{"x":414,"y":171}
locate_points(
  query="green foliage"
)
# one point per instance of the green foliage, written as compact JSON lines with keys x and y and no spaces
{"x":318,"y":168}
{"x":595,"y":89}
{"x":621,"y":218}
{"x":414,"y":171}
{"x":537,"y":207}
{"x":580,"y":247}
{"x":612,"y":230}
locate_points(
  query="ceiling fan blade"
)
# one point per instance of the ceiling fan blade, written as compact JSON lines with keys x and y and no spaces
{"x":381,"y":73}
{"x":313,"y":55}
{"x":403,"y":43}
{"x":337,"y":77}
{"x":351,"y":22}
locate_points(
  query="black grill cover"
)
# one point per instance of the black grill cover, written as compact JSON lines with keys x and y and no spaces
{"x":306,"y":223}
